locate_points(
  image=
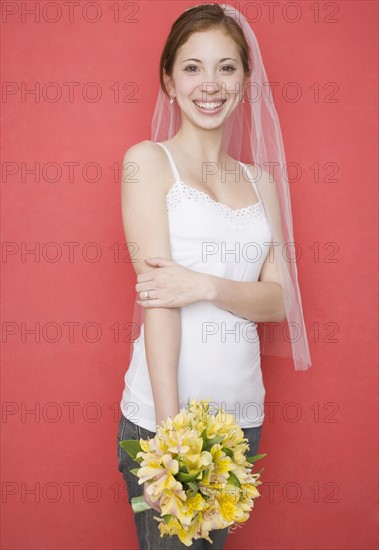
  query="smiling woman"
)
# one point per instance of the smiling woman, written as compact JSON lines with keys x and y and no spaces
{"x":207,"y":226}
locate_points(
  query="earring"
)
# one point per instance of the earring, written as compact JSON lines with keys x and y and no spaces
{"x":172,"y":98}
{"x":243,"y":99}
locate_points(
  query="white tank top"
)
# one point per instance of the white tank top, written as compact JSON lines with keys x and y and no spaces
{"x":220,"y":351}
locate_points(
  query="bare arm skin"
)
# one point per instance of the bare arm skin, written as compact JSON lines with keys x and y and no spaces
{"x":145,"y":222}
{"x":259,"y":301}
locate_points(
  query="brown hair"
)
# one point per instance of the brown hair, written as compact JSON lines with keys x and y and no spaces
{"x":197,"y":19}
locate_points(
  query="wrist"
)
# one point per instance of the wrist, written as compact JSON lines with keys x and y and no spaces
{"x":207,"y":289}
{"x":162,"y":414}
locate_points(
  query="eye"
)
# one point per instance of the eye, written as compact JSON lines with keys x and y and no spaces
{"x":190,"y":67}
{"x":230,"y":67}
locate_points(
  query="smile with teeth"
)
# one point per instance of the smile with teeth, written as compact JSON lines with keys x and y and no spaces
{"x":209,"y":106}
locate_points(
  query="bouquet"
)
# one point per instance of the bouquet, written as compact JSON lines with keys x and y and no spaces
{"x":196,"y":468}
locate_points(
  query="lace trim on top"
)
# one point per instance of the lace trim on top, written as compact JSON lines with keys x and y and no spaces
{"x":240,"y":217}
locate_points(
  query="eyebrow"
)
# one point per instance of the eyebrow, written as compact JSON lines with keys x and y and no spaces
{"x":199,"y":60}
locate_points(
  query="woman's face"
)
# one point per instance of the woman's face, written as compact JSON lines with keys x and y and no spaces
{"x":207,"y":78}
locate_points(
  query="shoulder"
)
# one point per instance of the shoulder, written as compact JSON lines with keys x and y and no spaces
{"x":146,"y":163}
{"x":148,"y":160}
{"x":264,"y":180}
{"x":267,"y":187}
{"x":260,"y":175}
{"x":144,"y":152}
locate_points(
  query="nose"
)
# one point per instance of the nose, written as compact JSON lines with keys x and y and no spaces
{"x":210,"y":86}
{"x":213,"y":81}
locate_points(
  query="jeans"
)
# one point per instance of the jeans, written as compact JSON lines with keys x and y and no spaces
{"x":148,"y":533}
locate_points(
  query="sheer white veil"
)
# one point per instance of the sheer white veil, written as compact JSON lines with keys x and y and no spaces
{"x":253,"y":135}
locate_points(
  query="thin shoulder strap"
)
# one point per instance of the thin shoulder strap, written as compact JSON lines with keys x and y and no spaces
{"x":172,"y":163}
{"x":247,"y":169}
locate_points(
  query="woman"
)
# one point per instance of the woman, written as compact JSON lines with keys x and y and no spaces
{"x":209,"y":222}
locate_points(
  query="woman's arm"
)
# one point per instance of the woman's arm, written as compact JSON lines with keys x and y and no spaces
{"x":145,"y":221}
{"x":259,"y":301}
{"x":176,"y":286}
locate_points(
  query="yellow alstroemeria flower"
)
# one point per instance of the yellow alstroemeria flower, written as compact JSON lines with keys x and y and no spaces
{"x":154,"y":446}
{"x":242,"y":473}
{"x":227,"y":505}
{"x":173,"y":503}
{"x":214,"y":427}
{"x":250,"y":491}
{"x":193,"y":505}
{"x":199,"y":408}
{"x":213,"y":519}
{"x":240,"y":454}
{"x":174,"y":527}
{"x":223,"y":464}
{"x":152,"y":468}
{"x":165,"y":482}
{"x":202,"y":525}
{"x":179,"y":441}
{"x":197,"y":461}
{"x":242,"y":512}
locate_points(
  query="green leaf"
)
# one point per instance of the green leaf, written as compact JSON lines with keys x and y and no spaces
{"x":193,"y":486}
{"x":134,"y":471}
{"x":182,"y":476}
{"x":255,"y":457}
{"x":228,"y":452}
{"x":204,"y":438}
{"x":139,"y":504}
{"x":167,"y":517}
{"x":132,"y":447}
{"x":233,"y":480}
{"x":213,"y":441}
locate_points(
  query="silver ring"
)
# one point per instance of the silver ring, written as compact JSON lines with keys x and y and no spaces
{"x":145,"y":294}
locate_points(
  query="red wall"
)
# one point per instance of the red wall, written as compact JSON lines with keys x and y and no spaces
{"x":320,"y":429}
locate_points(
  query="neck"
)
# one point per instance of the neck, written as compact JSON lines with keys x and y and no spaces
{"x":204,"y":145}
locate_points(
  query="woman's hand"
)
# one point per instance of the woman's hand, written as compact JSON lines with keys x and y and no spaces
{"x":170,"y":284}
{"x":154,"y":505}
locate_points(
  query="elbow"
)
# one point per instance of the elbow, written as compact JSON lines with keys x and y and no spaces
{"x":281,"y":314}
{"x":276,"y":314}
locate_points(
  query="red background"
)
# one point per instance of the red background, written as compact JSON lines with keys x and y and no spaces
{"x":320,"y":430}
